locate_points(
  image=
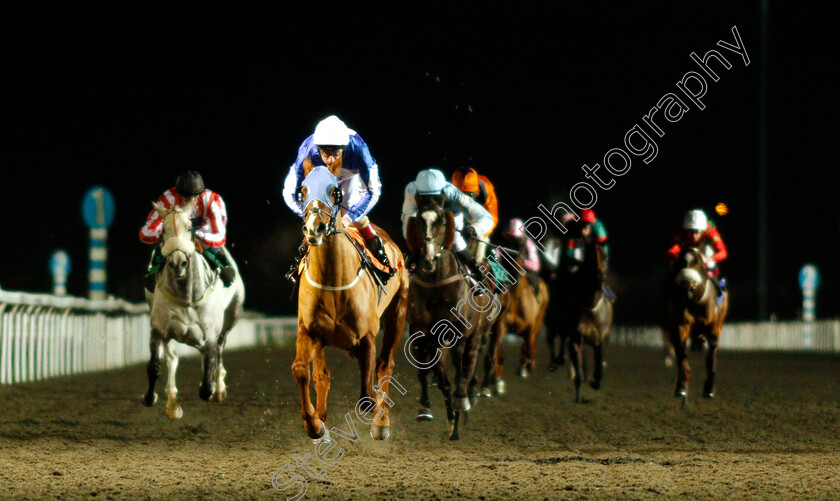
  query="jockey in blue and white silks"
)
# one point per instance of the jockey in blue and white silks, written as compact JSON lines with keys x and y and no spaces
{"x":340,"y":149}
{"x":358,"y":174}
{"x":471,"y":219}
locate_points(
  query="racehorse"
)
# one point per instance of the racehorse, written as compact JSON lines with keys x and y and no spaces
{"x":524,"y":317}
{"x":340,"y":304}
{"x":583,"y":312}
{"x":189,"y":305}
{"x":694,"y":312}
{"x":448,"y":314}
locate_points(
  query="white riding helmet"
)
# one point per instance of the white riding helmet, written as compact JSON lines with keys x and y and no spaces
{"x":430,"y":182}
{"x":331,"y":131}
{"x":695,"y":220}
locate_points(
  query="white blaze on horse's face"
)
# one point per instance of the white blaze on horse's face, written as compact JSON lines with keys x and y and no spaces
{"x":429,"y":250}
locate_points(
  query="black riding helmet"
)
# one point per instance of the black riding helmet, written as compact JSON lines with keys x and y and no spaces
{"x":189,"y":184}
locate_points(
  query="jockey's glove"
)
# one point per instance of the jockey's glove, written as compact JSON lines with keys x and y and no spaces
{"x":469,"y":232}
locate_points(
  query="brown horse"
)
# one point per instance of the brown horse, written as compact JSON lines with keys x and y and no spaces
{"x":339,"y":305}
{"x":448,"y":315}
{"x":525,"y":316}
{"x":584,"y":313}
{"x":695,"y":313}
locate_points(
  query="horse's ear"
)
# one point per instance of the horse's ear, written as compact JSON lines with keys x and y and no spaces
{"x":160,"y":209}
{"x":412,"y":234}
{"x":449,"y":238}
{"x":307,"y":166}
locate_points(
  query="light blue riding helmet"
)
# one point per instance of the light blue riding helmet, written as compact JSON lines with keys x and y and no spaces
{"x":430,"y":182}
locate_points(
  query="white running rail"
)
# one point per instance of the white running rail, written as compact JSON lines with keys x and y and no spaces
{"x":45,"y":336}
{"x":820,"y":336}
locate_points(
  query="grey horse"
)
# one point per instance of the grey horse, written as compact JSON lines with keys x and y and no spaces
{"x":189,"y":305}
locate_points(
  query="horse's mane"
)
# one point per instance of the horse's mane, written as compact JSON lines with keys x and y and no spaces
{"x":334,"y":169}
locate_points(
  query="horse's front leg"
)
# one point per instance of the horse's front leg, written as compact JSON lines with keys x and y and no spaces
{"x":304,"y":350}
{"x":711,"y":366}
{"x":173,"y":408}
{"x":321,"y":375}
{"x":473,"y":349}
{"x":221,"y":388}
{"x":496,"y":333}
{"x":679,"y":339}
{"x":576,"y":357}
{"x":393,"y":323}
{"x":150,"y":398}
{"x":420,"y":352}
{"x":598,"y":350}
{"x":209,"y":362}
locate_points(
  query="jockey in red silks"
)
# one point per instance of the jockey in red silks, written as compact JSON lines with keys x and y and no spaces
{"x":530,"y":257}
{"x":698,"y":231}
{"x":209,"y":223}
{"x":340,"y":149}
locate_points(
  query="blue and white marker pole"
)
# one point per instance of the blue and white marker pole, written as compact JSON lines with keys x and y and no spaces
{"x":98,"y":213}
{"x":60,"y":268}
{"x":809,"y":280}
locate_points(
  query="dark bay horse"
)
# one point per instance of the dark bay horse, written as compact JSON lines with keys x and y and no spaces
{"x":694,"y":312}
{"x":448,"y":315}
{"x":582,"y":312}
{"x":339,"y":305}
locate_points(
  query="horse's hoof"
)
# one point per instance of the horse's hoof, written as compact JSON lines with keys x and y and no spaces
{"x":144,"y":399}
{"x":500,"y":387}
{"x":709,"y":394}
{"x":424,"y":414}
{"x":323,"y":434}
{"x":596,"y":385}
{"x":205,"y":392}
{"x":175,"y":412}
{"x":380,"y":432}
{"x":454,"y":436}
{"x":485,"y":392}
{"x":681,"y":393}
{"x":523,"y":373}
{"x":552,"y":367}
{"x":461,"y":404}
{"x":578,"y":400}
{"x":219,"y":396}
{"x":473,"y":401}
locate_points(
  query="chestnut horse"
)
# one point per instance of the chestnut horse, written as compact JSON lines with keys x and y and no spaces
{"x":339,"y":305}
{"x":583,"y":313}
{"x":448,"y":315}
{"x":695,"y":313}
{"x":524,"y":318}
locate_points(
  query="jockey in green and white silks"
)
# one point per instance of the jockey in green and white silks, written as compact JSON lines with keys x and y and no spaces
{"x":471,"y":219}
{"x":209,"y":225}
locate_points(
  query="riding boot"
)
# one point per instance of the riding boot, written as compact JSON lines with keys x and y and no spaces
{"x":227,"y":273}
{"x":377,"y":248}
{"x":156,"y":260}
{"x":471,"y":264}
{"x":293,"y":270}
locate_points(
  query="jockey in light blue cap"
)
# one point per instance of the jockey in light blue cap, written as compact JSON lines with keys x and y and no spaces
{"x":470,"y":217}
{"x":340,"y":149}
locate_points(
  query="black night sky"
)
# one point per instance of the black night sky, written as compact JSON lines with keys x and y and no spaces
{"x":127,"y":96}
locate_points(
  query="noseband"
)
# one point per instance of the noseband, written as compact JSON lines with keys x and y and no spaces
{"x":319,"y":211}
